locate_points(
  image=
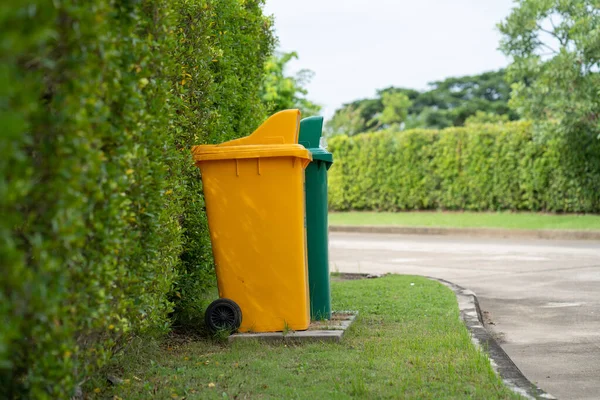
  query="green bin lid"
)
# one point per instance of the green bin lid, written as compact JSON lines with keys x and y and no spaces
{"x":311,"y":129}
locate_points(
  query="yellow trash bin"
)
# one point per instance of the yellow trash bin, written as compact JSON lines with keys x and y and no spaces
{"x":254,"y":192}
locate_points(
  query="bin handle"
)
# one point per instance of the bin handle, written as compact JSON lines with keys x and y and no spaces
{"x":280,"y":128}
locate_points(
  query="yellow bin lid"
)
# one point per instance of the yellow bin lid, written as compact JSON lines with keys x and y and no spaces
{"x":212,"y":153}
{"x":276,"y":137}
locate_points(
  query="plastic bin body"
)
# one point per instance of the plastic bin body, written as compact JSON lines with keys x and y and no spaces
{"x":254,"y":197}
{"x":316,"y":218}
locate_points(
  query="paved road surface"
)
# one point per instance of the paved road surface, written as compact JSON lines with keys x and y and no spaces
{"x":543,"y":297}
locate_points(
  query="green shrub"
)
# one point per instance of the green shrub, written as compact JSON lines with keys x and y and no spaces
{"x":217,"y":76}
{"x":477,"y":167}
{"x":102,"y":231}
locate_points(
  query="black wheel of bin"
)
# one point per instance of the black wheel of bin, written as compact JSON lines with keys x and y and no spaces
{"x":223,"y":315}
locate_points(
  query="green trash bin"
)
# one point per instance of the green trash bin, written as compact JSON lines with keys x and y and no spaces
{"x":316,"y":218}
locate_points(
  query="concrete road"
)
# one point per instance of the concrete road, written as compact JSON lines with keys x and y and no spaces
{"x":540,"y":297}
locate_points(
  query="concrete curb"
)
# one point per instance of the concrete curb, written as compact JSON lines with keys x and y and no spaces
{"x":501,"y":362}
{"x":556,"y":234}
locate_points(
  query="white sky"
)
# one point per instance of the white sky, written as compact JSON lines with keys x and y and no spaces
{"x":358,"y":46}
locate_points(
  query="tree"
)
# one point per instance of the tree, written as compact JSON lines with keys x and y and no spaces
{"x":348,"y":120}
{"x":281,"y":92}
{"x":395,"y":109}
{"x":451,"y":101}
{"x":447,"y":103}
{"x":356,"y":117}
{"x":555,"y":48}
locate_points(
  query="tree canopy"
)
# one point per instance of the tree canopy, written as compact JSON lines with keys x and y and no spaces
{"x":555,"y":48}
{"x":446,"y":103}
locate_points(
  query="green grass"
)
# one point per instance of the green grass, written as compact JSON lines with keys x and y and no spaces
{"x":407,"y":342}
{"x":468,"y":220}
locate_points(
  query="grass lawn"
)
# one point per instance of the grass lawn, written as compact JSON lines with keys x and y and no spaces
{"x":407,"y":342}
{"x":468,"y":220}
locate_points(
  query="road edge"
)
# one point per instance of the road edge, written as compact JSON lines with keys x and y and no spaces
{"x":470,"y":313}
{"x":551,"y":234}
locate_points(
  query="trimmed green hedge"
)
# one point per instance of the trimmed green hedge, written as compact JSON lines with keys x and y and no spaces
{"x":478,"y":167}
{"x":102,"y":228}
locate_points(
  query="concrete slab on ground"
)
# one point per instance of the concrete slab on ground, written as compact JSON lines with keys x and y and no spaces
{"x":331,"y":330}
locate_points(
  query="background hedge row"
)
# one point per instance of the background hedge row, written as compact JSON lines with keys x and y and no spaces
{"x":102,"y":230}
{"x":477,"y":167}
